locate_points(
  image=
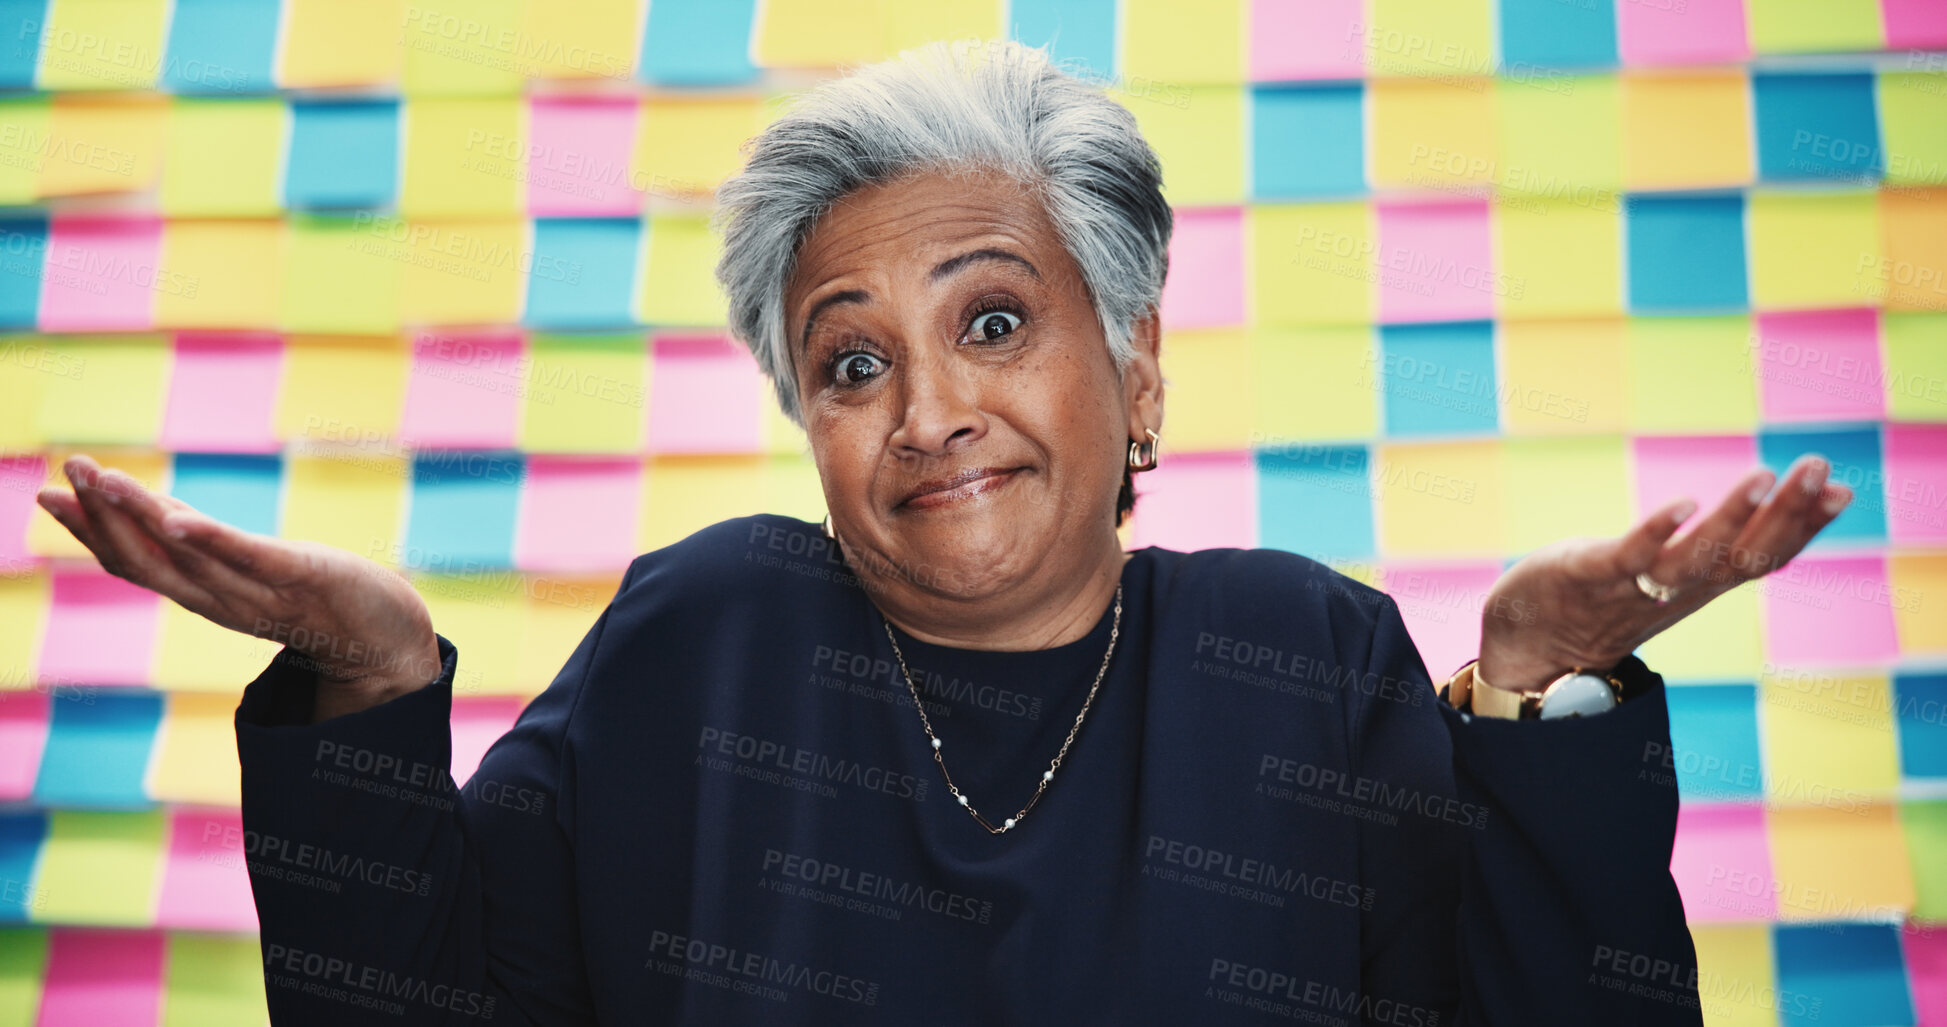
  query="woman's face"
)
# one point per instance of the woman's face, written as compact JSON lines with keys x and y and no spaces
{"x":967,"y":419}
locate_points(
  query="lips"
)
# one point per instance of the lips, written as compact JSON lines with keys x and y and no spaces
{"x":963,"y":485}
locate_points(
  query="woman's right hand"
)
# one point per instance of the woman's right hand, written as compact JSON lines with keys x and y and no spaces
{"x":359,"y":624}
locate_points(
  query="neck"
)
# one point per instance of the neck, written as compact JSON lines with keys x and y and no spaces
{"x":1035,"y":615}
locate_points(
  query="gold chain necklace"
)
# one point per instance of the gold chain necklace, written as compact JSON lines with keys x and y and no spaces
{"x":1048,"y":776}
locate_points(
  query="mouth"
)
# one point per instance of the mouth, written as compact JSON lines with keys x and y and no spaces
{"x":967,"y":484}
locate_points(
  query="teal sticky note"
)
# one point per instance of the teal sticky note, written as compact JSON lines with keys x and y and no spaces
{"x":236,"y":489}
{"x":21,"y":835}
{"x":697,"y":42}
{"x":463,"y":507}
{"x":1316,"y":500}
{"x":344,"y":154}
{"x":1079,"y":34}
{"x":1686,"y":253}
{"x":1855,"y":455}
{"x":1817,"y":127}
{"x":584,"y":273}
{"x":97,"y":752}
{"x":1438,"y":379}
{"x":1856,"y":971}
{"x":1714,"y":742}
{"x":1308,"y":141}
{"x":23,"y":254}
{"x":1539,"y":35}
{"x":221,"y":46}
{"x":21,"y":22}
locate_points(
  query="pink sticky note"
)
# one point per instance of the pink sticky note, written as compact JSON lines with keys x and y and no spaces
{"x":1205,"y":288}
{"x":100,"y":630}
{"x":102,"y":274}
{"x":1441,"y":604}
{"x":23,"y":734}
{"x":1820,"y":365}
{"x":1722,"y":862}
{"x":1831,"y":610}
{"x":1435,"y":261}
{"x":1197,"y":501}
{"x":1702,"y":467}
{"x":464,"y":391}
{"x":476,"y":725}
{"x":222,"y":392}
{"x":706,"y":395}
{"x":1916,"y":483}
{"x":1682,"y":31}
{"x":578,"y":513}
{"x":99,"y":977}
{"x":1926,"y":970}
{"x":1916,"y":25}
{"x":578,"y":161}
{"x":20,"y":478}
{"x":1304,"y":39}
{"x":206,"y":882}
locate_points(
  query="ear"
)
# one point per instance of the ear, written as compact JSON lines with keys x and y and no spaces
{"x":1142,"y":381}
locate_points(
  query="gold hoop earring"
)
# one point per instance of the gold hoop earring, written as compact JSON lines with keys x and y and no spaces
{"x":1137,"y":462}
{"x":829,"y":533}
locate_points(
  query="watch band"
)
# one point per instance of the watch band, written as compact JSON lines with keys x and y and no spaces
{"x":1467,"y":690}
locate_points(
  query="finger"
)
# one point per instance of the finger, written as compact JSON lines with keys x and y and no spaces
{"x":1794,"y":512}
{"x":215,"y":578}
{"x":65,"y":508}
{"x":1636,"y":552}
{"x":267,"y":561}
{"x":124,"y":549}
{"x":1704,"y":551}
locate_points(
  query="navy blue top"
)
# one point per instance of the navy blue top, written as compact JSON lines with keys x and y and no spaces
{"x":724,"y":811}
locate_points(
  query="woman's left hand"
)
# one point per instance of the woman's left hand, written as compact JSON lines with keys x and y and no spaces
{"x":1575,"y":603}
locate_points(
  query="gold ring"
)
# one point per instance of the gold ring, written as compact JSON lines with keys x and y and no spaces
{"x":1654,"y":589}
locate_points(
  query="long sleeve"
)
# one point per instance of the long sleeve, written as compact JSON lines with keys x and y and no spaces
{"x":1531,"y":885}
{"x":386,"y":894}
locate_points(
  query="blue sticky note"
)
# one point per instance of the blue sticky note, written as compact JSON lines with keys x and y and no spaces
{"x":235,"y":488}
{"x":1079,"y":34}
{"x":1920,"y":709}
{"x":584,"y":272}
{"x":1854,"y":454}
{"x":697,"y":42}
{"x":221,"y":46}
{"x":1854,"y":969}
{"x":1686,"y":253}
{"x":1438,"y":379}
{"x":1308,"y":141}
{"x":97,"y":752}
{"x":1714,"y":742}
{"x":463,"y":506}
{"x":23,"y":254}
{"x":1316,"y":500}
{"x":1817,"y":127}
{"x":21,"y":835}
{"x":343,"y":154}
{"x":21,"y":24}
{"x":1541,"y":34}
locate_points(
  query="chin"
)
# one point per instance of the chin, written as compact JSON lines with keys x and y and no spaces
{"x":967,"y":556}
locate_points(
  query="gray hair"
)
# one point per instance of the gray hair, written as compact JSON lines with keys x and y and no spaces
{"x":952,"y":107}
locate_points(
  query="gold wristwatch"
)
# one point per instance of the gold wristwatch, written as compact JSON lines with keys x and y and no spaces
{"x":1578,"y":693}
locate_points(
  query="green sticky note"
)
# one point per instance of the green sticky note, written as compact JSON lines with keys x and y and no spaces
{"x":22,"y":140}
{"x":100,"y":868}
{"x":463,"y":157}
{"x":1311,"y":263}
{"x":213,"y":981}
{"x":1562,"y":138}
{"x":1916,"y":366}
{"x":1810,"y":26}
{"x":679,"y":285}
{"x":23,"y":962}
{"x":1716,"y":389}
{"x":585,"y":393}
{"x":224,"y":158}
{"x":1565,"y":485}
{"x":1926,"y":845}
{"x":117,"y":396}
{"x":343,"y":274}
{"x":1915,"y":133}
{"x":1811,"y":250}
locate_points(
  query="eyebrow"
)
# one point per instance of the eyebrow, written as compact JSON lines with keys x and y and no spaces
{"x":945,"y":268}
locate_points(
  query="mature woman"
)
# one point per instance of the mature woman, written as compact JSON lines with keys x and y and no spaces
{"x":957,"y":757}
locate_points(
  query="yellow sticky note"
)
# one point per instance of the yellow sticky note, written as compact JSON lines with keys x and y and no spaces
{"x":1911,"y":128}
{"x":1562,"y":138}
{"x":1736,"y":984}
{"x":213,"y":980}
{"x":1922,"y":576}
{"x":341,"y":42}
{"x":1839,"y":863}
{"x":1813,"y":250}
{"x":553,"y":623}
{"x":818,"y":33}
{"x":1311,"y":263}
{"x":46,"y":537}
{"x":465,"y":272}
{"x":342,"y":274}
{"x":1178,"y":42}
{"x":448,"y":169}
{"x":780,"y":434}
{"x":1828,"y":737}
{"x":1198,"y":133}
{"x":26,"y":365}
{"x":1810,"y":26}
{"x":792,"y":488}
{"x":1559,"y":258}
{"x":99,"y":869}
{"x":25,"y":146}
{"x":1441,"y":498}
{"x":354,"y":502}
{"x":23,"y":612}
{"x":909,"y":25}
{"x":237,"y":268}
{"x":686,"y":147}
{"x":585,"y":393}
{"x":589,"y":39}
{"x":481,"y":614}
{"x":196,"y":757}
{"x":1562,"y":377}
{"x":1211,"y":389}
{"x":1432,"y":134}
{"x":1688,"y":130}
{"x":1721,"y":642}
{"x":1717,"y":391}
{"x":342,"y":388}
{"x":102,"y":144}
{"x":679,"y":284}
{"x":455,"y":50}
{"x":1912,"y":270}
{"x":100,"y":44}
{"x":195,"y":654}
{"x":1564,"y":486}
{"x":681,"y":495}
{"x":118,"y":397}
{"x":1315,"y":384}
{"x":224,"y":158}
{"x":1916,"y":366}
{"x":1430,"y":37}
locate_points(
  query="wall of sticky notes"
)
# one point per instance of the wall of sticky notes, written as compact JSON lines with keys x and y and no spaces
{"x":1452,"y":279}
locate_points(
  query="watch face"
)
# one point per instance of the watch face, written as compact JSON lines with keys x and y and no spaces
{"x":1577,"y":695}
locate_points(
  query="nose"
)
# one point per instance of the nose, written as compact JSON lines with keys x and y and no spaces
{"x":941,"y":410}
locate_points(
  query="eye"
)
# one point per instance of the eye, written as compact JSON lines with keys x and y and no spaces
{"x":992,"y":324}
{"x":855,"y":367}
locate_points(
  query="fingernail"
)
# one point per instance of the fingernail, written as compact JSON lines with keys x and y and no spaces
{"x":1815,"y":477}
{"x":1682,"y":511}
{"x":1835,"y":502}
{"x":1760,"y":488}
